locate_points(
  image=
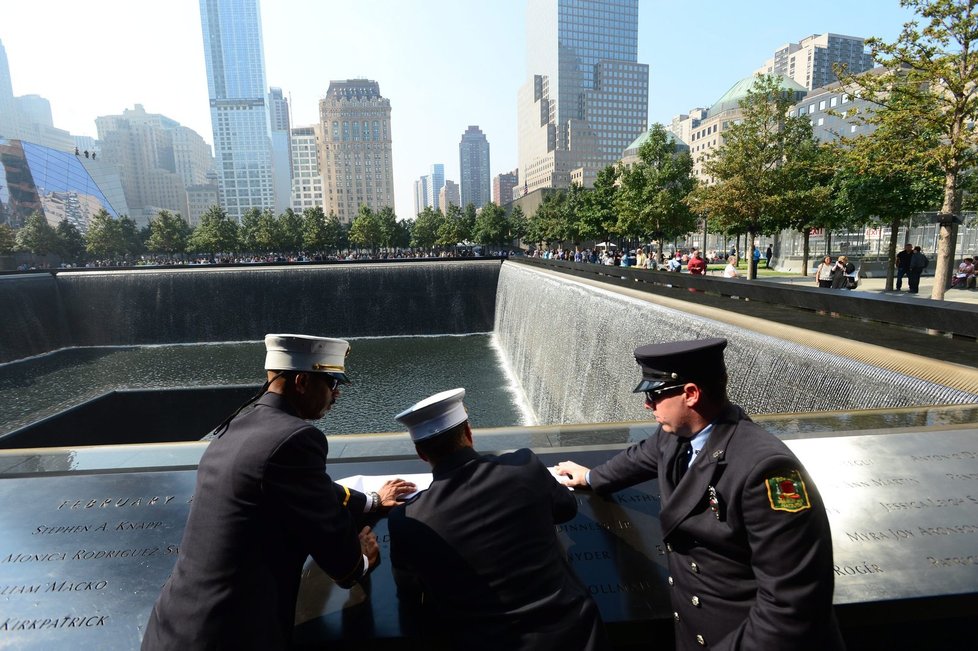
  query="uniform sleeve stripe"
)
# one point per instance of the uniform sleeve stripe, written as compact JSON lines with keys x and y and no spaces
{"x":346,"y":499}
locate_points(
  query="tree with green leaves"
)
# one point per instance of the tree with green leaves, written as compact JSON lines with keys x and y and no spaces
{"x":424,"y":233}
{"x":455,"y":228}
{"x":104,"y":239}
{"x":131,"y":237}
{"x":8,"y":239}
{"x":931,"y":73}
{"x":652,"y":199}
{"x":289,"y":231}
{"x":752,"y":167}
{"x":387,"y":225}
{"x":599,"y":218}
{"x":518,"y":223}
{"x":259,"y":231}
{"x":37,"y":236}
{"x":70,"y":243}
{"x":317,"y":236}
{"x":886,"y":177}
{"x":547,"y":224}
{"x":491,"y":226}
{"x":402,"y":233}
{"x":806,"y":174}
{"x":215,"y":233}
{"x":168,"y":234}
{"x":365,"y":230}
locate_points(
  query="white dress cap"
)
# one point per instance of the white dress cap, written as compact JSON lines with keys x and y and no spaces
{"x":307,"y":353}
{"x":434,"y":415}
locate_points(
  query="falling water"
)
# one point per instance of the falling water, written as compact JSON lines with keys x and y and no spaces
{"x":570,"y":345}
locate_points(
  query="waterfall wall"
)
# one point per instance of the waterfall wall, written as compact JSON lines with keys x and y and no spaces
{"x":34,"y":319}
{"x":570,"y":345}
{"x":243,"y":304}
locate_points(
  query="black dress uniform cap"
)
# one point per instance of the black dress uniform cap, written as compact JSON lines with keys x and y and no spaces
{"x":678,"y":362}
{"x":434,"y":415}
{"x":307,"y":353}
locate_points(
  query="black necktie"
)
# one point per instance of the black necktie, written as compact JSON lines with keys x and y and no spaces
{"x":680,"y":463}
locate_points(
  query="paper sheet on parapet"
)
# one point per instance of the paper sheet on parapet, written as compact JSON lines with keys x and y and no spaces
{"x":372,"y":483}
{"x":560,"y":478}
{"x":368,"y":483}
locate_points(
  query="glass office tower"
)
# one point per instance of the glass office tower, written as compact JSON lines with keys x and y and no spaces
{"x":239,"y":112}
{"x":586,"y":95}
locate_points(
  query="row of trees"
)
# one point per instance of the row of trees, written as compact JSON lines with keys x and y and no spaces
{"x":261,"y":232}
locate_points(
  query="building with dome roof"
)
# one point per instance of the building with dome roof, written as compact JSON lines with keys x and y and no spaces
{"x":707,"y":135}
{"x":630,"y":155}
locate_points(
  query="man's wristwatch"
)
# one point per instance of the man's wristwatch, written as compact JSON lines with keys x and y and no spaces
{"x":374,"y":501}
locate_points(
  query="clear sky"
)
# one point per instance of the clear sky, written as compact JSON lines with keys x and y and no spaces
{"x":444,"y":64}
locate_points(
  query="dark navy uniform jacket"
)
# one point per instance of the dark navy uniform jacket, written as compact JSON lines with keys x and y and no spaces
{"x":480,"y":547}
{"x":747,"y":539}
{"x":262,"y":504}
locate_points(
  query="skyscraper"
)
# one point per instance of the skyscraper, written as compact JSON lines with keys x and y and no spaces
{"x":811,"y":62}
{"x":7,"y":109}
{"x":239,"y":112}
{"x":434,"y":183}
{"x":307,"y":179}
{"x":278,"y":113}
{"x":449,"y":195}
{"x":356,"y":148}
{"x":27,"y":117}
{"x":502,"y":187}
{"x":419,"y":199}
{"x":473,"y":155}
{"x":586,"y":95}
{"x":157,"y":159}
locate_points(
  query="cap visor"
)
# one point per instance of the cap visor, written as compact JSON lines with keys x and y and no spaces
{"x":341,"y":377}
{"x":648,"y":385}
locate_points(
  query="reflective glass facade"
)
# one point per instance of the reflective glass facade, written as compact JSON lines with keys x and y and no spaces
{"x":239,"y":113}
{"x":586,"y":97}
{"x":51,"y":182}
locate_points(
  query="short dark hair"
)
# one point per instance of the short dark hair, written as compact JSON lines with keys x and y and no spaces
{"x":714,"y":386}
{"x":444,"y":443}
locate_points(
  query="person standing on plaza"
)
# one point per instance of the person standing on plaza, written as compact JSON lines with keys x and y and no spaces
{"x":823,"y":274}
{"x":263,"y":503}
{"x":696,"y":265}
{"x":918,"y":262}
{"x":768,"y":254}
{"x":755,"y":257}
{"x":476,"y":556}
{"x":903,"y":264}
{"x":747,"y":539}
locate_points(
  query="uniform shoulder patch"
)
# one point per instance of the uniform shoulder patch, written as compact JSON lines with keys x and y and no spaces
{"x":786,"y":491}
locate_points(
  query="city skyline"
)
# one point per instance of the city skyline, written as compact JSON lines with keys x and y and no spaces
{"x":100,"y":63}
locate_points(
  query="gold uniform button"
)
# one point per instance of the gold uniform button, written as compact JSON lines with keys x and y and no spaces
{"x":675,"y":616}
{"x":671,"y":582}
{"x":695,"y":601}
{"x":700,"y":640}
{"x":695,"y":568}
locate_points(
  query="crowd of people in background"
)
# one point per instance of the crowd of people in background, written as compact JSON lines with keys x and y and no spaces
{"x":640,"y":258}
{"x":298,"y":258}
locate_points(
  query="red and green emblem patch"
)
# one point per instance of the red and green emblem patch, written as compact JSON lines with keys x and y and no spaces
{"x":786,"y":491}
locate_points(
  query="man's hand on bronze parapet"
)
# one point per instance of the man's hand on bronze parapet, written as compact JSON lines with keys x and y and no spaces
{"x":572,"y":474}
{"x":393,"y":491}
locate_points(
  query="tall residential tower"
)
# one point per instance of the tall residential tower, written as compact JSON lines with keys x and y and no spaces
{"x":473,"y":160}
{"x":811,"y":62}
{"x":356,"y":148}
{"x":239,"y":110}
{"x":586,"y":96}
